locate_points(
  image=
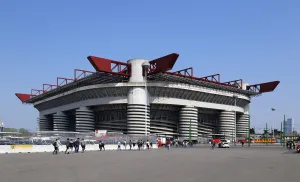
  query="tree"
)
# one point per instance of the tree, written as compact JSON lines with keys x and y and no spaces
{"x":252,"y":131}
{"x":24,"y":132}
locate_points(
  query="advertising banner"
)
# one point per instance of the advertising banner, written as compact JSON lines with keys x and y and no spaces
{"x":20,"y":146}
{"x":100,"y":134}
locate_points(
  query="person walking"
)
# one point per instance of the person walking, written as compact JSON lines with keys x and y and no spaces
{"x":130,"y":144}
{"x":83,"y":143}
{"x":67,"y":146}
{"x":168,"y":145}
{"x":56,"y":145}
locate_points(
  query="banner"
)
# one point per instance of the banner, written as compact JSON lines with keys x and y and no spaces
{"x":20,"y":146}
{"x":100,"y":134}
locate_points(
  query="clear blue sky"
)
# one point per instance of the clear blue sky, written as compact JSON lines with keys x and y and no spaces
{"x":256,"y":40}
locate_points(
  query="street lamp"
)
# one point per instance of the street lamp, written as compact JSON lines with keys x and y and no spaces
{"x":146,"y":66}
{"x":273,"y":109}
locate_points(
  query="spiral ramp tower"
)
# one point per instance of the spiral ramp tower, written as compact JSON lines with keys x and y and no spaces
{"x":60,"y":122}
{"x":227,"y":124}
{"x":45,"y":123}
{"x":138,"y":106}
{"x":85,"y":121}
{"x":188,"y":122}
{"x":242,"y":127}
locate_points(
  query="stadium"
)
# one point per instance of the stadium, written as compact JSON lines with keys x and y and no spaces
{"x":142,"y":97}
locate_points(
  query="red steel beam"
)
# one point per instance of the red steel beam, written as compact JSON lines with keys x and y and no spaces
{"x":214,"y":78}
{"x":48,"y":87}
{"x":35,"y":92}
{"x":83,"y":73}
{"x":200,"y":79}
{"x":185,"y":72}
{"x":23,"y":97}
{"x":65,"y":81}
{"x":110,"y":66}
{"x":236,"y":83}
{"x":263,"y":87}
{"x":163,"y":64}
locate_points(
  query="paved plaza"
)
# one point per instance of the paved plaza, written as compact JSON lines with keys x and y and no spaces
{"x":274,"y":164}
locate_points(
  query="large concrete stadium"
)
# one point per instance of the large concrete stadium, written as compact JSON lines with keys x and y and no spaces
{"x":144,"y":97}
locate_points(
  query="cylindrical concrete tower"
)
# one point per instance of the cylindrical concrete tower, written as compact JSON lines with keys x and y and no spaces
{"x":138,"y":108}
{"x":188,"y":122}
{"x":45,"y":123}
{"x":227,"y":124}
{"x":85,"y":121}
{"x":60,"y":122}
{"x":242,"y":125}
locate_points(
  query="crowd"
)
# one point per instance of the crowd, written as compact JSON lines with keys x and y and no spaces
{"x":73,"y":146}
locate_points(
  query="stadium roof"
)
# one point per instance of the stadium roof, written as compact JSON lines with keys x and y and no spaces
{"x":111,"y":71}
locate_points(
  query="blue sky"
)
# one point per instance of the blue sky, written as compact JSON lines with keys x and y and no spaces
{"x":256,"y":40}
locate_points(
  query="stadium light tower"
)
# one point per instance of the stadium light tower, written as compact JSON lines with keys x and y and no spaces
{"x":146,"y":66}
{"x":273,"y":109}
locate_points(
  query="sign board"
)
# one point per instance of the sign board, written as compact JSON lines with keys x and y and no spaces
{"x":100,"y":133}
{"x":20,"y":146}
{"x":1,"y":124}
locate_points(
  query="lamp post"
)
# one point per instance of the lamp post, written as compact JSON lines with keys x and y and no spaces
{"x":273,"y":109}
{"x":146,"y":66}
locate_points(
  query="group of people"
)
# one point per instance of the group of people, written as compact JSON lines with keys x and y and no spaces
{"x":140,"y":144}
{"x":291,"y":145}
{"x":71,"y":145}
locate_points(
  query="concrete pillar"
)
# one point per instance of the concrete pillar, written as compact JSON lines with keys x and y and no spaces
{"x":188,"y":122}
{"x":45,"y":123}
{"x":60,"y":122}
{"x":227,"y":124}
{"x":242,"y":125}
{"x":85,"y":121}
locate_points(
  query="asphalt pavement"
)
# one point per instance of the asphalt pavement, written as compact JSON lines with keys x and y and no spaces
{"x":274,"y":164}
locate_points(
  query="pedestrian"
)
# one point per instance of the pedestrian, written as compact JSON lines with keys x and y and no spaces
{"x":67,"y":146}
{"x":77,"y":142}
{"x":124,"y":143}
{"x":130,"y":144}
{"x":148,"y":144}
{"x":71,"y":145}
{"x":119,"y":145}
{"x":82,"y":143}
{"x":168,"y":145}
{"x":56,"y":145}
{"x":100,"y":145}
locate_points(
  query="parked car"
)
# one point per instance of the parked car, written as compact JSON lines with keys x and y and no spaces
{"x":298,"y":148}
{"x":224,"y":145}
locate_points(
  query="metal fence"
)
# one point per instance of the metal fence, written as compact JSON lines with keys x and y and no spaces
{"x":47,"y":138}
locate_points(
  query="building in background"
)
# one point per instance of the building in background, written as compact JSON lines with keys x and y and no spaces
{"x":142,"y":97}
{"x":289,"y":126}
{"x":1,"y":126}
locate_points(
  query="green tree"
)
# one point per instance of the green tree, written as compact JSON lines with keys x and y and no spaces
{"x":24,"y":132}
{"x":252,"y":131}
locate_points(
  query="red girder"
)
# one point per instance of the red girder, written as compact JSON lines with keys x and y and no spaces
{"x":35,"y":92}
{"x":263,"y":87}
{"x":163,"y":64}
{"x":185,"y":72}
{"x":64,"y":82}
{"x":23,"y":97}
{"x":83,"y":73}
{"x":236,"y":83}
{"x":110,"y":66}
{"x":200,"y":79}
{"x":48,"y":87}
{"x":214,"y":78}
